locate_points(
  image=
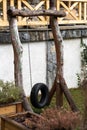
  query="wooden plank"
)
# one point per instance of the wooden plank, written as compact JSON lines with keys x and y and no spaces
{"x":19,"y":7}
{"x":27,"y":5}
{"x":19,"y":108}
{"x":69,"y":4}
{"x":45,"y":20}
{"x":69,"y":11}
{"x":47,"y":7}
{"x":1,"y":0}
{"x":32,"y":23}
{"x":80,"y":10}
{"x":47,"y":4}
{"x":73,"y":22}
{"x":58,"y":5}
{"x":8,"y":124}
{"x":11,"y":2}
{"x":5,"y":10}
{"x":73,"y":6}
{"x":3,"y":124}
{"x":74,"y":0}
{"x":31,"y":8}
{"x":39,"y":5}
{"x":7,"y":110}
{"x":85,"y":9}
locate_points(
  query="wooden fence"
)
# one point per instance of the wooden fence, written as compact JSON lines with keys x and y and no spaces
{"x":76,"y":11}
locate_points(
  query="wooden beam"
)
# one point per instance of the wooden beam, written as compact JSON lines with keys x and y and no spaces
{"x":28,"y":13}
{"x":57,"y":40}
{"x":61,"y":84}
{"x":18,"y":53}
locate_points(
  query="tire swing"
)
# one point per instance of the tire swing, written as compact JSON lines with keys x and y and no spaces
{"x":39,"y":95}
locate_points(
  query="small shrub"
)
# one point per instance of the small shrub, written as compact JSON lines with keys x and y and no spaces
{"x":9,"y":92}
{"x":53,"y":119}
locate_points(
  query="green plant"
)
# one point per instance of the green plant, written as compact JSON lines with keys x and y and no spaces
{"x":9,"y":92}
{"x":83,"y":75}
{"x":78,"y":79}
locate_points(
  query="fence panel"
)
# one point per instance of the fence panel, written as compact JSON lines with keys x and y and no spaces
{"x":76,"y":11}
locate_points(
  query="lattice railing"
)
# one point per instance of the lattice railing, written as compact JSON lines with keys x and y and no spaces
{"x":22,"y":4}
{"x":76,"y":11}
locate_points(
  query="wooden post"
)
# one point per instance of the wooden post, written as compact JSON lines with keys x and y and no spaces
{"x":60,"y":82}
{"x":58,"y":47}
{"x":18,"y":51}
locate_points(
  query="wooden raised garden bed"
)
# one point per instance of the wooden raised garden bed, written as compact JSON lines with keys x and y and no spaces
{"x":50,"y":119}
{"x":18,"y":121}
{"x":11,"y":108}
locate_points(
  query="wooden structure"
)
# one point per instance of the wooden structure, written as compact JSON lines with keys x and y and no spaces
{"x":11,"y":108}
{"x":59,"y":86}
{"x":76,"y":11}
{"x":9,"y":124}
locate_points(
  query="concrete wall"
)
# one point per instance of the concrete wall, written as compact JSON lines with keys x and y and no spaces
{"x":38,"y":64}
{"x":72,"y":62}
{"x":43,"y":60}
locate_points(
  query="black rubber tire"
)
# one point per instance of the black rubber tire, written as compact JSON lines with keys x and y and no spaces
{"x":34,"y":95}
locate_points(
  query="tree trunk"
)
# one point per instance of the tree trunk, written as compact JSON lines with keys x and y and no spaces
{"x":18,"y":51}
{"x":61,"y":84}
{"x":84,"y":87}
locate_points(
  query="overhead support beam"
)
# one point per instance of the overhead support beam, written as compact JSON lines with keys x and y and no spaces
{"x":28,"y":13}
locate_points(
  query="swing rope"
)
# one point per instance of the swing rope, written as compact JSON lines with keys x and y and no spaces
{"x":29,"y":59}
{"x":47,"y":42}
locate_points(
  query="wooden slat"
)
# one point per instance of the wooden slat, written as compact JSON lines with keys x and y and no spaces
{"x":31,"y":8}
{"x":81,"y":18}
{"x":27,"y":5}
{"x":73,"y":22}
{"x":39,"y":5}
{"x":19,"y":108}
{"x":85,"y":9}
{"x":69,"y":4}
{"x":4,"y":10}
{"x":75,"y":0}
{"x":58,"y":5}
{"x":11,"y":2}
{"x":19,"y":7}
{"x":8,"y":110}
{"x":69,"y":11}
{"x":73,"y":6}
{"x":80,"y":10}
{"x":47,"y":4}
{"x":47,"y":7}
{"x":32,"y":23}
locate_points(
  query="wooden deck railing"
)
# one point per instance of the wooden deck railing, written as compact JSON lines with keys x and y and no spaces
{"x":76,"y":11}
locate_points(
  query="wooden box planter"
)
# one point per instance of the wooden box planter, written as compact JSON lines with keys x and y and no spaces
{"x":9,"y":123}
{"x":32,"y":121}
{"x":11,"y":108}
